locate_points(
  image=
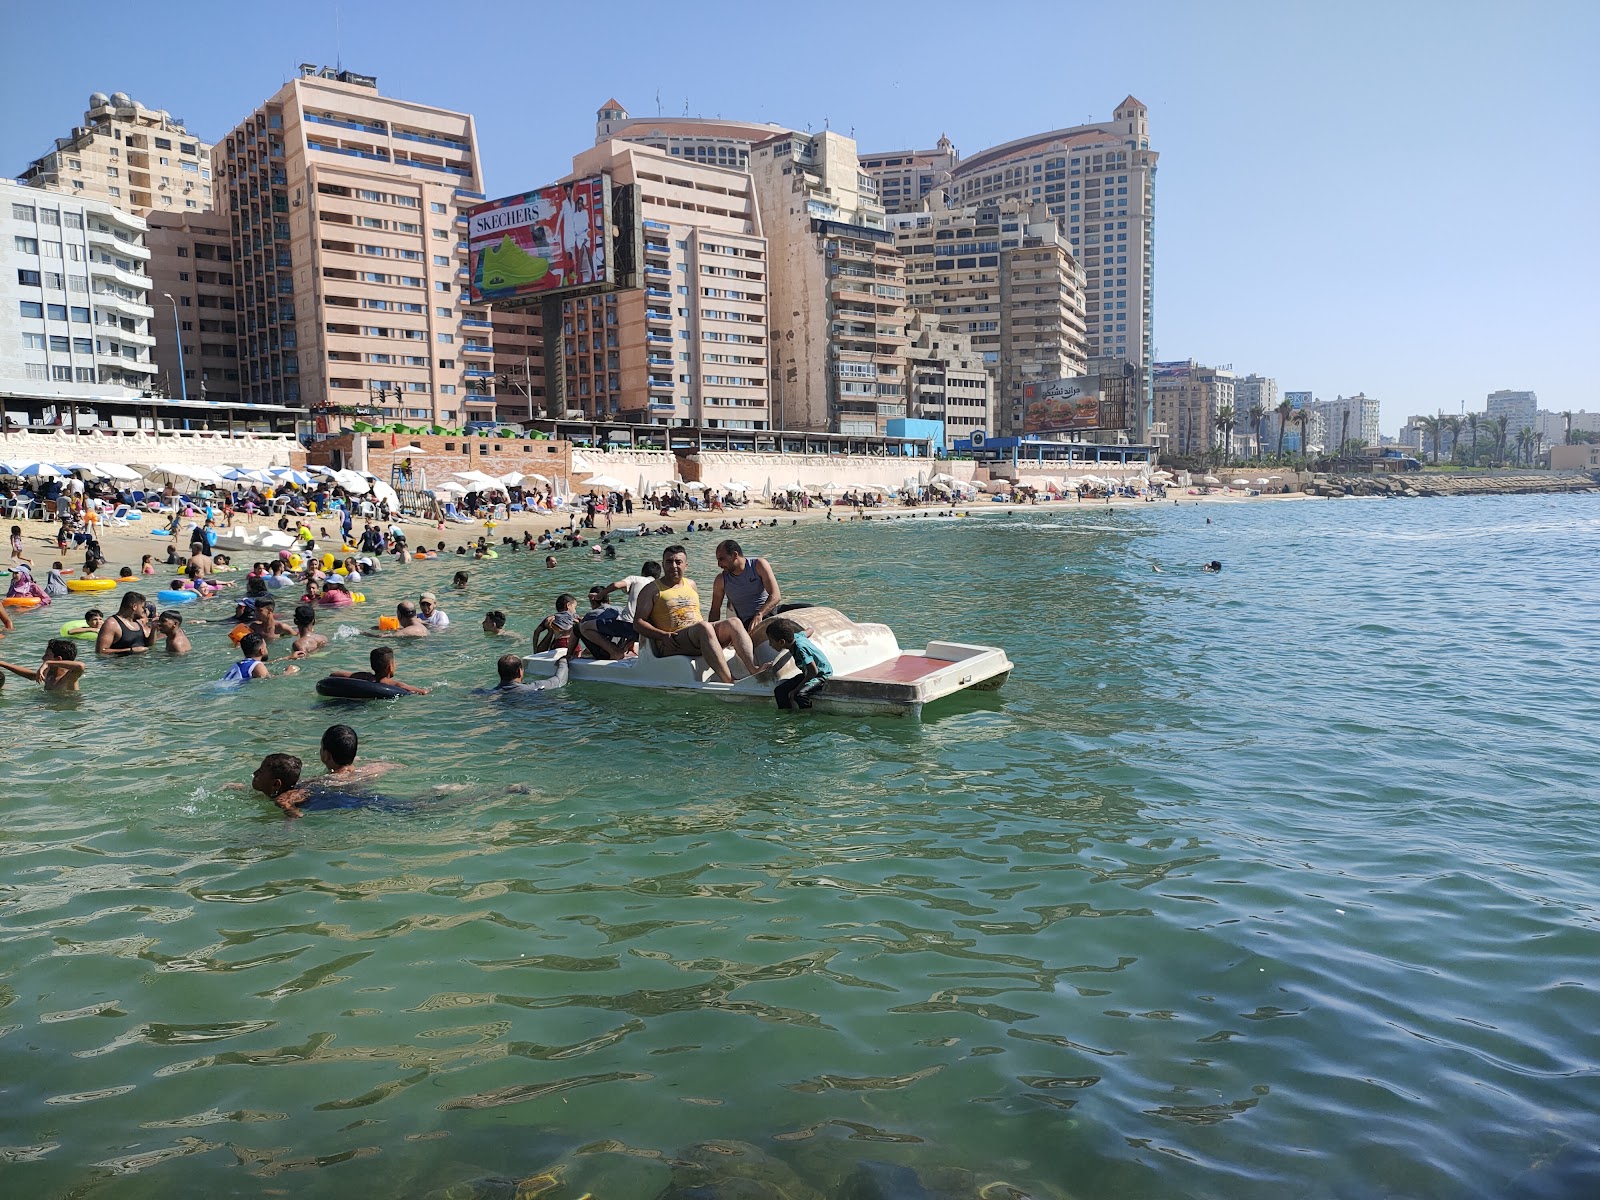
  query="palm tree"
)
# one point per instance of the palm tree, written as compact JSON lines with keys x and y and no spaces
{"x":1258,"y":413}
{"x":1452,"y":426}
{"x":1430,"y":428}
{"x":1500,"y":426}
{"x":1224,"y":421}
{"x":1472,"y":425}
{"x":1522,"y":440}
{"x":1538,"y":445}
{"x":1285,"y":410}
{"x":1303,"y":418}
{"x":1566,"y":416}
{"x":1344,"y":434}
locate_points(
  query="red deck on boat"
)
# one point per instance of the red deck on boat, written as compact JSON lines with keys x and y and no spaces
{"x":908,"y":668}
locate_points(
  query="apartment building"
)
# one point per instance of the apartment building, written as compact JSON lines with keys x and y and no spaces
{"x":75,"y":302}
{"x":1249,"y":392}
{"x":1552,"y":426}
{"x":346,"y":214}
{"x":1520,"y":408}
{"x":1099,"y":179}
{"x":141,"y":160}
{"x":1188,"y":397}
{"x":906,"y":178}
{"x":192,"y":285}
{"x":709,"y":140}
{"x":516,"y":349}
{"x":1345,"y":419}
{"x":690,"y":347}
{"x":837,"y":288}
{"x":947,"y":379}
{"x":1002,"y":274}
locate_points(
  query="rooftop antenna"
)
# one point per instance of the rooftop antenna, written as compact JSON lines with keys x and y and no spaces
{"x":338,"y":39}
{"x":658,"y":102}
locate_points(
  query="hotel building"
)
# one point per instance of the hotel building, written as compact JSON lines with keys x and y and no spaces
{"x":708,"y":140}
{"x":193,"y":291}
{"x":837,"y":288}
{"x":1098,"y":179}
{"x":1188,"y":397}
{"x":906,"y":178}
{"x":141,"y":160}
{"x":75,"y":302}
{"x":1521,"y":409}
{"x":346,"y":216}
{"x":1003,"y":275}
{"x":690,"y":347}
{"x":1249,"y":391}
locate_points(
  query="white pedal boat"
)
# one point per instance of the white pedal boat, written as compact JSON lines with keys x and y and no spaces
{"x":871,"y":674}
{"x":239,"y":540}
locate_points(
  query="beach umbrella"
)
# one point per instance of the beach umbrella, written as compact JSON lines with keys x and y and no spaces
{"x":1212,"y":480}
{"x":319,"y":470}
{"x":86,"y":469}
{"x":447,"y":488}
{"x":609,"y":482}
{"x":694,"y":485}
{"x":1262,"y":480}
{"x":112,"y":470}
{"x":537,"y":476}
{"x":513,"y":478}
{"x":290,"y":475}
{"x":351,"y":482}
{"x":1240,"y":483}
{"x":385,"y":494}
{"x":37,"y":470}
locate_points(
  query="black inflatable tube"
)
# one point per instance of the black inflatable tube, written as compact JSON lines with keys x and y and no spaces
{"x":341,"y":687}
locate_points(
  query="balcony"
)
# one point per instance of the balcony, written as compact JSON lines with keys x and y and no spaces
{"x":658,"y":293}
{"x":475,"y":323}
{"x":652,"y":269}
{"x":661,"y":225}
{"x":477,"y":348}
{"x":653,"y":336}
{"x":477,"y":373}
{"x":120,"y":244}
{"x":659,"y":361}
{"x":657,"y":314}
{"x":660,"y":385}
{"x":464,"y":194}
{"x":660,"y":248}
{"x":105,"y":270}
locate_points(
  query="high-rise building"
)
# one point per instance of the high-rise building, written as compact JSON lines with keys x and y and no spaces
{"x":709,"y":140}
{"x":1252,"y":391}
{"x":1100,"y":180}
{"x":1552,"y":426}
{"x":1345,"y":419}
{"x":906,"y":178}
{"x":193,"y":292}
{"x":1188,"y":397}
{"x":1520,"y":408}
{"x":142,"y":160}
{"x":947,"y":379}
{"x":690,"y":347}
{"x":75,"y":303}
{"x":836,"y":291}
{"x":517,"y":352}
{"x":346,"y":213}
{"x":1003,"y":274}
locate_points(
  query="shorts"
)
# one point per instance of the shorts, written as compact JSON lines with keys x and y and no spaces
{"x":680,"y":643}
{"x":616,"y":629}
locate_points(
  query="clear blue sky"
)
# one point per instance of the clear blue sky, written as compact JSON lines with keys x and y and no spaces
{"x":1399,"y":198}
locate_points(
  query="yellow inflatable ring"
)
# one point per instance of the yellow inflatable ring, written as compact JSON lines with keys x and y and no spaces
{"x":91,"y":585}
{"x":358,"y":597}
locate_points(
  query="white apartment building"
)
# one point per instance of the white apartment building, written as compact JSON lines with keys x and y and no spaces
{"x":1250,"y":391}
{"x":1552,"y":426}
{"x":75,"y":303}
{"x":1347,"y":418}
{"x":1521,"y":409}
{"x":141,"y":160}
{"x":837,"y":288}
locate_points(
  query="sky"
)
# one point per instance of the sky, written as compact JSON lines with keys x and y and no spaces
{"x":1398,"y":198}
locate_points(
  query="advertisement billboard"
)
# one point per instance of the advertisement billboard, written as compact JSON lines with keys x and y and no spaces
{"x":1061,"y":405}
{"x":1298,"y":399}
{"x":551,"y":241}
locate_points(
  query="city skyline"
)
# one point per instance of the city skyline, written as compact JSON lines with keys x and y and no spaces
{"x":1332,"y":210}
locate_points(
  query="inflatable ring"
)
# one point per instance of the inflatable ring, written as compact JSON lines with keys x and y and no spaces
{"x":341,"y":687}
{"x":167,"y":596}
{"x":91,"y":585}
{"x":79,"y":631}
{"x":24,"y":602}
{"x":358,"y":597}
{"x":491,"y":554}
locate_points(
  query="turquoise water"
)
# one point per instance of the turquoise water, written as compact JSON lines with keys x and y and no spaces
{"x":1276,"y":882}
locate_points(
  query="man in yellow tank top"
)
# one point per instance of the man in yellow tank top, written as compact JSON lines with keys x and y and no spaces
{"x":668,"y":613}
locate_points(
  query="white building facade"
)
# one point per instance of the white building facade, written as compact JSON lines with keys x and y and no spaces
{"x":75,"y":303}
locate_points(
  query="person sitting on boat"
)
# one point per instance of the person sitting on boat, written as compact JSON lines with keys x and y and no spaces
{"x":615,"y":627}
{"x":814,"y":667}
{"x":748,"y":585}
{"x":668,"y":613}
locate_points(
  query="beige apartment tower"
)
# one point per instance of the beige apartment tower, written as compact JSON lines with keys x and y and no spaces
{"x":838,"y":288}
{"x":141,"y":160}
{"x":946,"y":379}
{"x":192,"y":284}
{"x":346,"y":209}
{"x":690,"y":346}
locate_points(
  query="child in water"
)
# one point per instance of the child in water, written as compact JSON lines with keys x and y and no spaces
{"x":276,"y":779}
{"x":814,"y":667}
{"x":58,"y":671}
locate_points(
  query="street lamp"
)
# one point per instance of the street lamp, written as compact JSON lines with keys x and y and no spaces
{"x":183,"y":382}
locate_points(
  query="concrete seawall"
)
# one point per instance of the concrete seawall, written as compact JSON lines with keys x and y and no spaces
{"x":1475,"y":483}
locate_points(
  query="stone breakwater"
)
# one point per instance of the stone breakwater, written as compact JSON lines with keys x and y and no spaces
{"x":1415,"y":485}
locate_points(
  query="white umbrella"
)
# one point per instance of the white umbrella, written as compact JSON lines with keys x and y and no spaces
{"x":447,"y":488}
{"x":513,"y":478}
{"x":1262,"y":480}
{"x":37,"y":470}
{"x":694,"y":485}
{"x":1212,"y":480}
{"x":328,"y":471}
{"x":737,"y":485}
{"x":1240,"y":483}
{"x":1160,"y":474}
{"x":536,"y":475}
{"x":113,"y":470}
{"x":351,"y":482}
{"x":997,"y":485}
{"x":942,"y":477}
{"x":385,"y":494}
{"x":88,"y":469}
{"x":609,"y":482}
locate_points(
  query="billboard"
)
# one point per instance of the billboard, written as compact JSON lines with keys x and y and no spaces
{"x":1298,"y":399}
{"x":551,"y":241}
{"x":1061,"y":404}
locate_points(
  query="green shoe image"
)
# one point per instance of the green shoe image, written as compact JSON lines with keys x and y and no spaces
{"x":508,"y":265}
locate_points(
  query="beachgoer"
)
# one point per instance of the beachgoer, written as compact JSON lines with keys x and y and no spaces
{"x":559,"y":630}
{"x":58,"y":670}
{"x":460,"y":581}
{"x":748,"y":584}
{"x":618,"y":630}
{"x":667,"y":612}
{"x":306,"y":638}
{"x":382,"y":662}
{"x":1213,"y":566}
{"x":408,"y":626}
{"x":430,"y":614}
{"x":129,"y":631}
{"x":254,"y":663}
{"x":170,"y":626}
{"x":266,"y":622}
{"x":509,"y":668}
{"x":814,"y":667}
{"x":276,"y":779}
{"x":494,"y":624}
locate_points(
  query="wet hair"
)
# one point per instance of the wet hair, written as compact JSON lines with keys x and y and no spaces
{"x":255,"y":585}
{"x":509,"y":666}
{"x":284,"y":770}
{"x":94,"y":614}
{"x":652,"y":569}
{"x":405,"y":609}
{"x":172,"y":615}
{"x":132,"y":601}
{"x":460,"y":580}
{"x":252,"y":644}
{"x":564,"y":599}
{"x":781,"y":629}
{"x":341,"y":743}
{"x":266,"y":602}
{"x":64,"y":649}
{"x":496,"y":618}
{"x":611,"y":551}
{"x":729,"y":546}
{"x":304,"y":616}
{"x":382,"y":661}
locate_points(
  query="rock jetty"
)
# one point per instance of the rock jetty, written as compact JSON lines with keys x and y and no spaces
{"x":1477,"y":483}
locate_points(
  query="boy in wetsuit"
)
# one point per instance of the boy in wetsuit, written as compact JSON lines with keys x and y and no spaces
{"x":58,"y":671}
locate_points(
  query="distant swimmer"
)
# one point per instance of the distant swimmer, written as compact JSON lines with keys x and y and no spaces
{"x":1155,"y":568}
{"x":509,"y":667}
{"x":1213,"y":566}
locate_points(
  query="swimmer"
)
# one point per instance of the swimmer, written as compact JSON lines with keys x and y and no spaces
{"x":382,"y":662}
{"x":1213,"y":566}
{"x":337,"y":753}
{"x":460,"y":581}
{"x":307,"y":640}
{"x":509,"y":668}
{"x":58,"y":670}
{"x":170,"y":626}
{"x":550,"y":561}
{"x":254,"y":663}
{"x":276,"y":778}
{"x":494,"y":624}
{"x":266,"y":622}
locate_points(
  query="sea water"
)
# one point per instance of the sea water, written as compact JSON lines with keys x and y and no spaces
{"x":1279,"y":881}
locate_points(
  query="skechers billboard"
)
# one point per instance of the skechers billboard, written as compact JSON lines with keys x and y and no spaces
{"x":544,"y":242}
